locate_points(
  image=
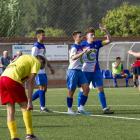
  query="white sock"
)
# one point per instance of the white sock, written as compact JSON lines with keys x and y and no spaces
{"x":104,"y":109}
{"x":78,"y":108}
{"x":42,"y":108}
{"x":81,"y":107}
{"x":70,"y":110}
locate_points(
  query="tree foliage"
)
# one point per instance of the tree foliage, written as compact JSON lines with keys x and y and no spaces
{"x":9,"y":18}
{"x":50,"y":32}
{"x":122,"y":21}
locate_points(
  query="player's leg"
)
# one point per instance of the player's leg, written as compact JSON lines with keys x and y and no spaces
{"x":135,"y":76}
{"x":114,"y":79}
{"x":125,"y":75}
{"x":6,"y":99}
{"x":139,"y":82}
{"x":134,"y":80}
{"x":27,"y":117}
{"x":41,"y":80}
{"x":89,"y":79}
{"x":42,"y":91}
{"x":83,"y":83}
{"x":72,"y":79}
{"x":70,"y":102}
{"x":84,"y":98}
{"x":10,"y":120}
{"x":97,"y":79}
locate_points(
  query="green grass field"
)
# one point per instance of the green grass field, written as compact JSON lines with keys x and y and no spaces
{"x":124,"y":124}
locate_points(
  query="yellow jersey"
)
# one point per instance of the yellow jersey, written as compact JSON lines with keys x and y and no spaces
{"x":21,"y":68}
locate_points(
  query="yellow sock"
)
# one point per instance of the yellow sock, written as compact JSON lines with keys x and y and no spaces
{"x":13,"y":129}
{"x":27,"y":117}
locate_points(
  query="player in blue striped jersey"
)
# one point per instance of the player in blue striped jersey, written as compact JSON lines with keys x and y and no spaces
{"x":75,"y":75}
{"x":41,"y":80}
{"x":91,"y":66}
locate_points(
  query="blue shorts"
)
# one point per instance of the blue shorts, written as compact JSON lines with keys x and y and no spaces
{"x":118,"y":75}
{"x":95,"y":78}
{"x":74,"y":78}
{"x":41,"y":79}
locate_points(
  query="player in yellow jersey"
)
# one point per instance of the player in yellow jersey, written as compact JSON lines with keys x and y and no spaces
{"x":12,"y":91}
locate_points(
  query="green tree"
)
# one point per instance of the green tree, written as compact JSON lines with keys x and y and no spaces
{"x":50,"y":32}
{"x":9,"y":18}
{"x":122,"y":21}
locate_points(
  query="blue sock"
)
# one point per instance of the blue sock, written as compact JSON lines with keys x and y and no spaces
{"x":69,"y":102}
{"x":83,"y":100}
{"x":35,"y":95}
{"x":79,"y":98}
{"x":102,"y":99}
{"x":126,"y":79}
{"x":42,"y":98}
{"x":114,"y":79}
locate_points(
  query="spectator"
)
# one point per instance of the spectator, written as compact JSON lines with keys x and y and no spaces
{"x":117,"y":71}
{"x":4,"y":61}
{"x":135,"y":76}
{"x":19,"y":53}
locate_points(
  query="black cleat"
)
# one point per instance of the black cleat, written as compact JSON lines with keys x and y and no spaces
{"x":45,"y":111}
{"x":107,"y":111}
{"x":127,"y":86}
{"x":135,"y":85}
{"x":116,"y":86}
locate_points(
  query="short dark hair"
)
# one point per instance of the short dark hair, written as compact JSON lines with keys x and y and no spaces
{"x":118,"y":58}
{"x":75,"y":33}
{"x":39,"y":32}
{"x":138,"y":58}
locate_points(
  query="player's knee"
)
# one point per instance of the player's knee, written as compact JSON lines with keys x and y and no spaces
{"x":86,"y":89}
{"x":114,"y":75}
{"x":70,"y":93}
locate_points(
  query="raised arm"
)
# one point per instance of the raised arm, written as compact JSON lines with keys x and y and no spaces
{"x":133,"y":53}
{"x":109,"y":38}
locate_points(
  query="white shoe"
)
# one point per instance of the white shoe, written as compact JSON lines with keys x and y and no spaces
{"x":71,"y":113}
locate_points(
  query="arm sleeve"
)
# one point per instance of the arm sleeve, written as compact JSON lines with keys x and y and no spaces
{"x":100,"y":43}
{"x":35,"y":67}
{"x":113,"y":65}
{"x":73,"y":51}
{"x":34,"y":51}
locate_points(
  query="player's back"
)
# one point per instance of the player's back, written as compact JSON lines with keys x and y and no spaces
{"x":21,"y":68}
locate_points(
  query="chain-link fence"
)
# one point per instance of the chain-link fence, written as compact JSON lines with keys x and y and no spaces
{"x":20,"y":18}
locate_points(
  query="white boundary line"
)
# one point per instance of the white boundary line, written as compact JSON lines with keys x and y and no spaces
{"x":105,"y":116}
{"x":76,"y":105}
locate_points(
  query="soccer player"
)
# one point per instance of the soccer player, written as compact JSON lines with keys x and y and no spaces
{"x":117,"y":71}
{"x":91,"y":67}
{"x":75,"y":75}
{"x":135,"y":76}
{"x":12,"y":91}
{"x":41,"y":80}
{"x":136,"y":66}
